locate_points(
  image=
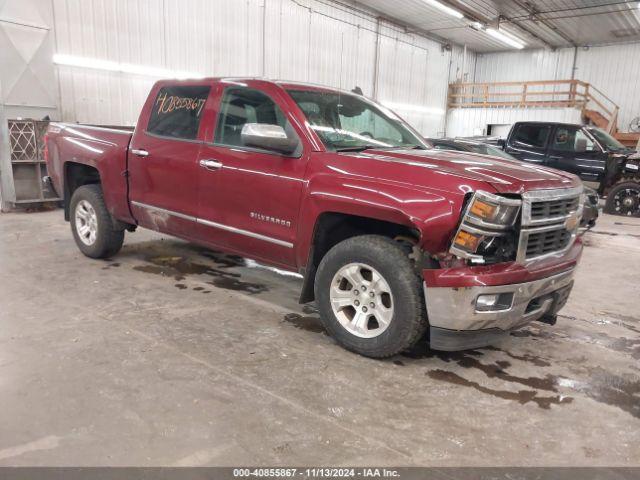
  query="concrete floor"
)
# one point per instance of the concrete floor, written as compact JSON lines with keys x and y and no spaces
{"x":171,"y":355}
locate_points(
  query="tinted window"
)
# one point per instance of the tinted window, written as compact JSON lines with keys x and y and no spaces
{"x":534,"y":136}
{"x":243,"y":105}
{"x":177,"y":111}
{"x":571,"y":139}
{"x":344,"y":121}
{"x":607,"y":140}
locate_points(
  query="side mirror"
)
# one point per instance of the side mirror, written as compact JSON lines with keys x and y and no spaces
{"x":268,"y":137}
{"x":501,"y":143}
{"x":581,"y":145}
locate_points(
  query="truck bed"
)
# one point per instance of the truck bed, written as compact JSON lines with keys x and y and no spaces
{"x":104,"y":149}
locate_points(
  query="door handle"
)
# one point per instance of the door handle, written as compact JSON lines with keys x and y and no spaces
{"x":139,"y":153}
{"x":210,"y":164}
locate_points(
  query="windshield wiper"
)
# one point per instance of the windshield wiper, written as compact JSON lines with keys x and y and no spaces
{"x":360,"y":148}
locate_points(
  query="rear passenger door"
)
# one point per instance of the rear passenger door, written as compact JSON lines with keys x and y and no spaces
{"x":163,"y":160}
{"x":573,"y":151}
{"x":528,"y":142}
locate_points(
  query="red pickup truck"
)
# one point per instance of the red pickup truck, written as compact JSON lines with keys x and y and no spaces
{"x":394,"y":239}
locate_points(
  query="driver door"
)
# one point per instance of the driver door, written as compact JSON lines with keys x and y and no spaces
{"x":250,"y":197}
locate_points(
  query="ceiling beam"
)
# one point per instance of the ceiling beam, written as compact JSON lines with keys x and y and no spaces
{"x":476,"y":17}
{"x":499,"y":4}
{"x":534,"y":15}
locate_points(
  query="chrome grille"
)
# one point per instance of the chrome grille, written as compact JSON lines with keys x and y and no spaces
{"x":554,"y":208}
{"x":548,"y":224}
{"x":541,"y":243}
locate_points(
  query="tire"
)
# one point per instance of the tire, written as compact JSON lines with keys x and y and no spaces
{"x":624,"y":199}
{"x":92,"y":224}
{"x":400,"y":319}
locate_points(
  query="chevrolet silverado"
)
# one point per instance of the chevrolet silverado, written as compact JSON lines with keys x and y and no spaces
{"x":395,"y":240}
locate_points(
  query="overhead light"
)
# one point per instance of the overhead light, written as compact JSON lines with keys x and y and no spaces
{"x":405,"y":107}
{"x":97,"y":64}
{"x":445,"y":8}
{"x":506,"y":38}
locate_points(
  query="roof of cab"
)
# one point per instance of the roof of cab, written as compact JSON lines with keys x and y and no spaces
{"x":286,"y":84}
{"x":565,"y":124}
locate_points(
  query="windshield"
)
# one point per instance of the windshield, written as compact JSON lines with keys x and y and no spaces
{"x":349,"y":122}
{"x":606,"y":140}
{"x":489,"y":150}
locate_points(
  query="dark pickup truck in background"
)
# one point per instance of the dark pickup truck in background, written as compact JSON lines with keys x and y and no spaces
{"x":600,"y":160}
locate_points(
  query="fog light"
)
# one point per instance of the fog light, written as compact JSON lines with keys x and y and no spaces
{"x":494,"y":302}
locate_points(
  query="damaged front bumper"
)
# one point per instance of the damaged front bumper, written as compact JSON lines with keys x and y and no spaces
{"x":467,"y":313}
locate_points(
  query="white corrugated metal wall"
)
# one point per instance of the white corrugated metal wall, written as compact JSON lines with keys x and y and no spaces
{"x":306,"y":40}
{"x":613,"y":69}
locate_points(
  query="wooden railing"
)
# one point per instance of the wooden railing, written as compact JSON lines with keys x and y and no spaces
{"x":542,"y":93}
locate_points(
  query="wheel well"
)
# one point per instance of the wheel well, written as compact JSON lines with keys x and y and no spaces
{"x":76,"y":175}
{"x":332,"y":228}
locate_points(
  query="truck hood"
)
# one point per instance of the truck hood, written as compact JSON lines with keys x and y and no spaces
{"x":506,"y":176}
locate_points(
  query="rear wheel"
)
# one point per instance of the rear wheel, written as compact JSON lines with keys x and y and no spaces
{"x":624,"y":199}
{"x":370,"y":297}
{"x":92,"y":225}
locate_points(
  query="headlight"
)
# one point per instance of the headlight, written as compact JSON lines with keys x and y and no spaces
{"x":492,"y":211}
{"x":486,"y":226}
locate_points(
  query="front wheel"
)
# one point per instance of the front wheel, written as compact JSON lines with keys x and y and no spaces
{"x":91,"y":223}
{"x":624,"y":199}
{"x":370,"y":297}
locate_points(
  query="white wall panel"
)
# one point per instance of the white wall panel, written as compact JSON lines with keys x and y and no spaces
{"x":303,"y":40}
{"x":526,"y":65}
{"x":613,"y":69}
{"x":466,"y":122}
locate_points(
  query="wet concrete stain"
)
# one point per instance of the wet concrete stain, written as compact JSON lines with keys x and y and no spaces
{"x":179,"y":267}
{"x":310,"y":324}
{"x":613,"y":390}
{"x":498,"y":370}
{"x":522,"y":396}
{"x":623,"y":320}
{"x":526,"y":357}
{"x":601,"y":386}
{"x":626,"y":345}
{"x":470,"y":359}
{"x":222,"y":259}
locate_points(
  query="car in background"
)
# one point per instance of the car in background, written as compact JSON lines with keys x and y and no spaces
{"x":590,"y":210}
{"x":596,"y":157}
{"x":468,"y":145}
